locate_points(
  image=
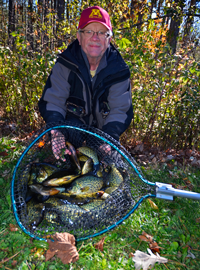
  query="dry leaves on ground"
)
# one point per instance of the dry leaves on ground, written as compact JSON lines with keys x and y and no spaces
{"x":99,"y":245}
{"x":152,"y":244}
{"x":63,"y":247}
{"x":13,"y":228}
{"x":144,"y":260}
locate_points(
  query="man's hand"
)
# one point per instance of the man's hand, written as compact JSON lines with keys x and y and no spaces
{"x":58,"y":145}
{"x":105,"y":148}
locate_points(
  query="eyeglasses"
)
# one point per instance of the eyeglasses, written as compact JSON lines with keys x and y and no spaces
{"x":90,"y":33}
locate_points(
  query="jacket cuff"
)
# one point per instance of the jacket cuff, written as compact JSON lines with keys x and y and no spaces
{"x":54,"y":117}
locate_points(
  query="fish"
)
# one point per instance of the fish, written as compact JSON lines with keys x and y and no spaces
{"x":93,"y":204}
{"x":86,"y":184}
{"x":114,"y":177}
{"x":110,"y":190}
{"x":36,"y":213}
{"x":84,"y":196}
{"x":89,"y":152}
{"x":55,"y":182}
{"x":82,"y":158}
{"x":73,"y":154}
{"x":39,"y":189}
{"x":40,"y":171}
{"x":87,"y":167}
{"x":59,"y":212}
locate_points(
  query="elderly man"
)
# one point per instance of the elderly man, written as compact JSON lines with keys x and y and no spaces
{"x":90,"y":82}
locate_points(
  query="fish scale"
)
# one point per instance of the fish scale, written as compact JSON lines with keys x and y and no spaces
{"x":86,"y":184}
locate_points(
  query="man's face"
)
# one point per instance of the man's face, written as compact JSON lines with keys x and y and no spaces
{"x":94,"y":47}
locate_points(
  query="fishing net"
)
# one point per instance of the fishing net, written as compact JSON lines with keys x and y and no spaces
{"x":39,"y":216}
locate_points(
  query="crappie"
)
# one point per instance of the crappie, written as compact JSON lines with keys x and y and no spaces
{"x":87,"y":167}
{"x":89,"y":152}
{"x":36,"y":214}
{"x":86,"y":184}
{"x":93,"y":204}
{"x":40,"y":171}
{"x":61,"y":214}
{"x":114,"y":177}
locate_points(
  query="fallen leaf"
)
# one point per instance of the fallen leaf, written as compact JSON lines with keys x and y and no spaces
{"x":153,"y":205}
{"x":3,"y":154}
{"x":152,"y":244}
{"x":14,"y":263}
{"x":148,"y":236}
{"x":63,"y":247}
{"x":143,"y":238}
{"x":13,"y":228}
{"x":41,"y":144}
{"x":99,"y":245}
{"x":143,"y":260}
{"x":39,"y":252}
{"x":154,"y":247}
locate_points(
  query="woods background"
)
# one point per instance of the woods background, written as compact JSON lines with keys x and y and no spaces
{"x":159,"y":40}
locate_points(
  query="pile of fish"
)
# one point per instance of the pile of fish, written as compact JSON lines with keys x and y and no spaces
{"x":54,"y":194}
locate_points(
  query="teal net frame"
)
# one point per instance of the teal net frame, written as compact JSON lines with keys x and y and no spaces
{"x":149,"y":187}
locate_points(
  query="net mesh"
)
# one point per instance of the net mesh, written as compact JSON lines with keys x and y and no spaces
{"x":40,"y":214}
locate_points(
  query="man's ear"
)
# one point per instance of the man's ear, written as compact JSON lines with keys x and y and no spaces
{"x":78,"y":37}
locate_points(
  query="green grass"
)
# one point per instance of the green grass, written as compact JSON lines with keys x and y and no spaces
{"x":174,"y":226}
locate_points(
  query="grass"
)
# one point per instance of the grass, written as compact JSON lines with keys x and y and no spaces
{"x":174,"y":226}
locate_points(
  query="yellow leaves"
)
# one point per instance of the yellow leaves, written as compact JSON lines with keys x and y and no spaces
{"x":41,"y":144}
{"x":152,"y":204}
{"x":63,"y":247}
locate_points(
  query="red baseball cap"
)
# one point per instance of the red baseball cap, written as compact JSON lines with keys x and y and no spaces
{"x":94,"y":14}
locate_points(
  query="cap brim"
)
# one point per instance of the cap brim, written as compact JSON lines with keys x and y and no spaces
{"x":84,"y":25}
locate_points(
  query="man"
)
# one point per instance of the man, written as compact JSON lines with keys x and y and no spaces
{"x":90,"y":82}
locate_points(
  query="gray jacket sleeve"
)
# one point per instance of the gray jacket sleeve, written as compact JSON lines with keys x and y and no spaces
{"x":121,"y":110}
{"x":57,"y":90}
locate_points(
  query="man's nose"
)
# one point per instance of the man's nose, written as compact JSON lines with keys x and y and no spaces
{"x":95,"y":35}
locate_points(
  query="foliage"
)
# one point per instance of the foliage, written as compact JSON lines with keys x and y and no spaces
{"x":165,"y":87}
{"x":173,"y":225}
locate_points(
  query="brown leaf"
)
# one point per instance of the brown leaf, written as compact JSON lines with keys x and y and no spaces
{"x":154,"y":247}
{"x":143,"y":238}
{"x":99,"y":245}
{"x":14,"y":263}
{"x":148,"y":236}
{"x":49,"y":255}
{"x":13,"y":228}
{"x":63,"y":247}
{"x":3,"y":154}
{"x":70,"y":256}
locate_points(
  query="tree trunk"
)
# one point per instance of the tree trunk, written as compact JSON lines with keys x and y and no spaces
{"x":189,"y":22}
{"x":60,"y":12}
{"x":137,"y":11}
{"x":30,"y":23}
{"x":11,"y":22}
{"x":176,"y":20}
